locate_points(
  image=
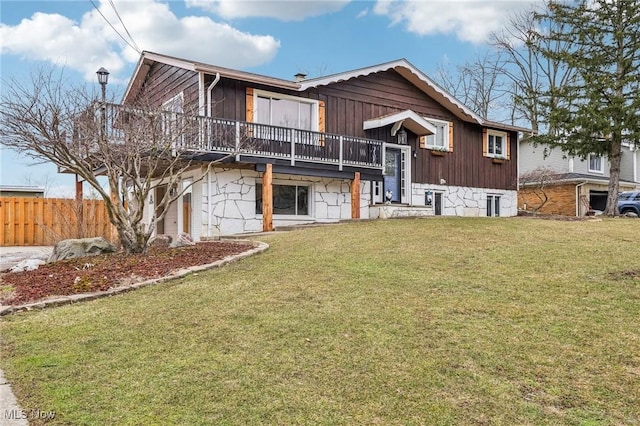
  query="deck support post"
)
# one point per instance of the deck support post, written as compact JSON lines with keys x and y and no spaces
{"x":355,"y":196}
{"x":267,"y":199}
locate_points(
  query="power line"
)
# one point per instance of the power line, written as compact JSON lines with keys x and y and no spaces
{"x":124,"y":26}
{"x":114,"y":29}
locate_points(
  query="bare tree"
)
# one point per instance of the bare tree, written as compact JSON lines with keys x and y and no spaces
{"x":529,"y":71}
{"x":478,"y":84}
{"x":134,"y":148}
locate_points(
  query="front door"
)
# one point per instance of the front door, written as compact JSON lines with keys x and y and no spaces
{"x":392,"y":172}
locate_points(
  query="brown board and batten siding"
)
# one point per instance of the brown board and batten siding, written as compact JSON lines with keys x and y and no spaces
{"x":165,"y":81}
{"x":349,"y":103}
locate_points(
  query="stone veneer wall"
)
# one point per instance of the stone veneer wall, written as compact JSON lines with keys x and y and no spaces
{"x":233,"y":201}
{"x":466,"y":201}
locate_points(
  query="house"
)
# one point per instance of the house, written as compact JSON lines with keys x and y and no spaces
{"x":380,"y":141}
{"x":21,"y":191}
{"x":574,"y":186}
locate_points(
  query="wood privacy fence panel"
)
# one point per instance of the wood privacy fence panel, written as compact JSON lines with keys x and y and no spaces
{"x":45,"y":221}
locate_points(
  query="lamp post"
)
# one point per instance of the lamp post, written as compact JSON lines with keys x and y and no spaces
{"x":103,"y":79}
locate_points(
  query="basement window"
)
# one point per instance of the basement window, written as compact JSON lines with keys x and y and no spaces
{"x":292,"y":200}
{"x":493,"y":205}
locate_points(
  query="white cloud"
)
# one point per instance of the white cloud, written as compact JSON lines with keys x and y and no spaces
{"x":284,"y":10}
{"x":362,"y":14}
{"x":92,"y":43}
{"x":469,"y":20}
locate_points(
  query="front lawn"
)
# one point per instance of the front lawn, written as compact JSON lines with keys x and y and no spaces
{"x":426,"y":321}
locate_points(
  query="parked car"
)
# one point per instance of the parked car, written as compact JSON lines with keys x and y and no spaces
{"x":629,"y":202}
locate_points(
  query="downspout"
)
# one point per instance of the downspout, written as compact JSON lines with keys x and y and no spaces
{"x":578,"y":186}
{"x":209,"y":90}
{"x":209,"y":178}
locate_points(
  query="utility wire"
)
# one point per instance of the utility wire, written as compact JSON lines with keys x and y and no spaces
{"x":124,"y":26}
{"x":114,"y":29}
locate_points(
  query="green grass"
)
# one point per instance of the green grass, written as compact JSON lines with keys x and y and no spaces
{"x":432,"y":321}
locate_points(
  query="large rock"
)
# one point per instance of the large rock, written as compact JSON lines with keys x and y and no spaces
{"x":69,"y":249}
{"x":183,"y":240}
{"x":161,"y":240}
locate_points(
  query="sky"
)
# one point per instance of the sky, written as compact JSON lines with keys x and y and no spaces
{"x":273,"y":38}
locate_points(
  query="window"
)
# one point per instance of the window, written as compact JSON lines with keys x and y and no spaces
{"x":286,"y":111}
{"x":171,"y":124}
{"x":287,"y":199}
{"x":596,"y":163}
{"x":441,"y":139}
{"x":496,"y":144}
{"x":174,"y":104}
{"x":493,"y":205}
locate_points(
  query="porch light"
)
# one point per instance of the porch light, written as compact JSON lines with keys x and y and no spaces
{"x":402,"y":137}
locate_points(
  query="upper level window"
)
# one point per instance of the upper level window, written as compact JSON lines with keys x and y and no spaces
{"x":496,"y":144}
{"x":596,"y":163}
{"x":172,"y":123}
{"x":286,"y":111}
{"x":174,"y":104}
{"x":441,"y":139}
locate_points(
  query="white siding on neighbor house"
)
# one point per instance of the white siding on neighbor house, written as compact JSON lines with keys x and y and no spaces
{"x":582,"y":166}
{"x":531,"y":158}
{"x":629,"y":165}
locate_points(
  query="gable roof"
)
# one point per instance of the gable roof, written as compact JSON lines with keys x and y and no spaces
{"x":407,"y":118}
{"x":401,"y":66}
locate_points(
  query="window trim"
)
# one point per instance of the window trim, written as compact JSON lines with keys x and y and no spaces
{"x":501,"y":134}
{"x":601,"y":170}
{"x":445,"y":136}
{"x":315,"y":106}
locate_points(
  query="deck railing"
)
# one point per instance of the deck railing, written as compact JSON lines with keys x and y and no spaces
{"x":200,"y":134}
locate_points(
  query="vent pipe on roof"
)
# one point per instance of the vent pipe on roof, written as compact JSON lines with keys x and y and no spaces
{"x":300,"y":77}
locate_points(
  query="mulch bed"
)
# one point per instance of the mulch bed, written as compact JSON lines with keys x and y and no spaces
{"x":99,"y":273}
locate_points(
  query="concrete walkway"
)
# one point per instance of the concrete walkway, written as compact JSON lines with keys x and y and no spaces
{"x":10,"y":412}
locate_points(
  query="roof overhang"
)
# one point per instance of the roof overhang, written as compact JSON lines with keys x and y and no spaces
{"x":562,"y":180}
{"x":148,"y":58}
{"x":407,"y":118}
{"x":401,"y":66}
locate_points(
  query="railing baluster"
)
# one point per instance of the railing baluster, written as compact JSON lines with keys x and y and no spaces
{"x":340,"y":153}
{"x":293,"y":147}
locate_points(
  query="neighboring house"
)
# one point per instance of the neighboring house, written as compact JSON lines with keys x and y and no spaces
{"x":21,"y":191}
{"x":577,"y":186}
{"x":328,"y":148}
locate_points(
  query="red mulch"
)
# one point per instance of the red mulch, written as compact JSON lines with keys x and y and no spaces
{"x":99,"y":273}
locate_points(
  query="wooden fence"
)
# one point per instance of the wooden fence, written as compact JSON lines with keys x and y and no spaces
{"x":45,"y":221}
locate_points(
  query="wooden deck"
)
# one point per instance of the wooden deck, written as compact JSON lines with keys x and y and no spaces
{"x":200,"y":135}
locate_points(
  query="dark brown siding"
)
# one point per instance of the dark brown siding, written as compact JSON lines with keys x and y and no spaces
{"x":165,"y":81}
{"x":348,"y":104}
